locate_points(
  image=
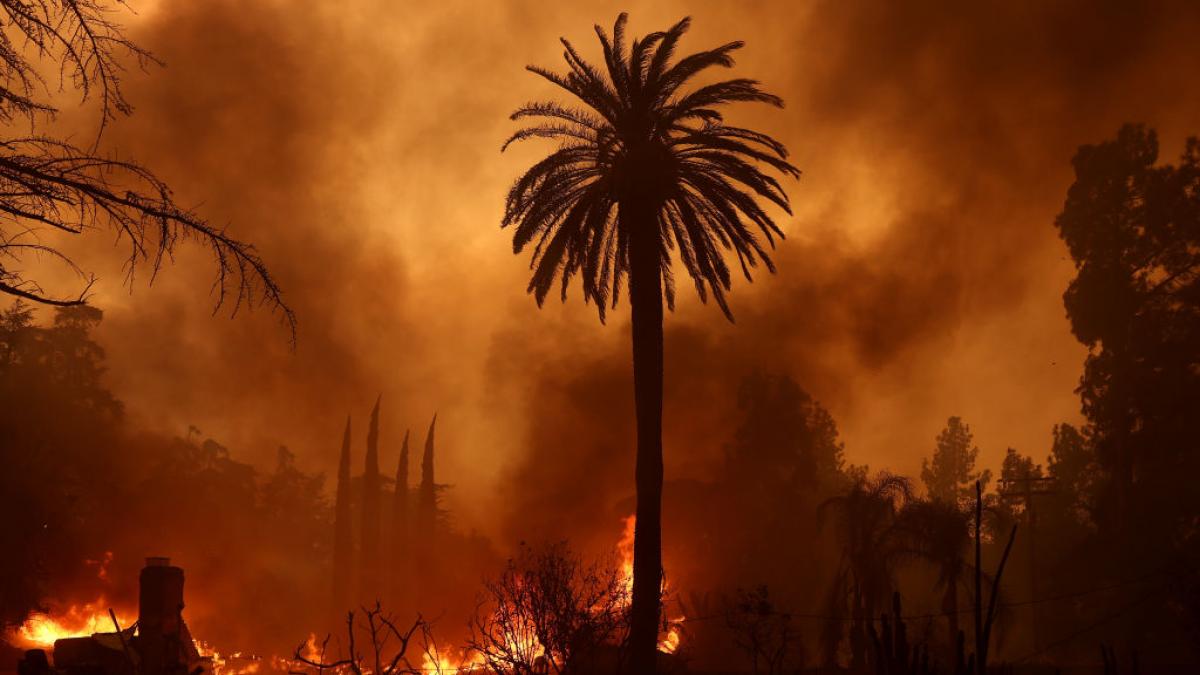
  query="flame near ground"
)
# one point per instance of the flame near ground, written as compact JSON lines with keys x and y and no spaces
{"x":41,"y":629}
{"x":669,"y":643}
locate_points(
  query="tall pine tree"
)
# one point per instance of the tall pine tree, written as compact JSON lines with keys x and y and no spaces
{"x":951,"y":475}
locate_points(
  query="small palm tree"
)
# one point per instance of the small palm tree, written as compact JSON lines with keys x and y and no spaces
{"x":645,"y":167}
{"x":939,"y":533}
{"x":864,"y":518}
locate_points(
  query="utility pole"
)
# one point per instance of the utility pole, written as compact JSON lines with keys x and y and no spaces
{"x":1022,"y":490}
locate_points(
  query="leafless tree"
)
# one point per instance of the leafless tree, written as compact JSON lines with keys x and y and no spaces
{"x":764,"y":633}
{"x":549,"y":612}
{"x":387,"y":651}
{"x":49,"y":186}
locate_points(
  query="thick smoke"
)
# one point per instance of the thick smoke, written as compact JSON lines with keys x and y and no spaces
{"x":357,"y":145}
{"x":922,"y":276}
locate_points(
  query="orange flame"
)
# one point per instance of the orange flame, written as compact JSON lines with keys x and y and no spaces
{"x":101,"y":565}
{"x":625,"y":550}
{"x":234,"y":663}
{"x":439,"y":662}
{"x":669,"y":643}
{"x":41,"y":629}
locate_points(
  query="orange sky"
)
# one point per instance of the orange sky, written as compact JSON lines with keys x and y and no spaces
{"x":358,"y":145}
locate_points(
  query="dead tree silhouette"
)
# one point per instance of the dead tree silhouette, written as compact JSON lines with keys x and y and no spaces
{"x":388,"y":647}
{"x":50,"y":187}
{"x":985,"y":619}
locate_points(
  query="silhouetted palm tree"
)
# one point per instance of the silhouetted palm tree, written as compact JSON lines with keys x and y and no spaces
{"x":645,"y":167}
{"x":939,"y":532}
{"x":865,"y":520}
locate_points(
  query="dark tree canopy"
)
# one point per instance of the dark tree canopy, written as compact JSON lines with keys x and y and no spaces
{"x":50,"y":187}
{"x":641,"y":137}
{"x":1133,"y":229}
{"x":864,"y":522}
{"x":786,"y":437}
{"x":950,"y":475}
{"x":1017,"y":467}
{"x":78,"y":472}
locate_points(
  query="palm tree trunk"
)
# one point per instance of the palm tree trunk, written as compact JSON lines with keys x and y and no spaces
{"x":645,"y":290}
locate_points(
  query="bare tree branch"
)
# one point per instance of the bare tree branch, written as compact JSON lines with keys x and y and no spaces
{"x":380,"y":630}
{"x":53,"y":185}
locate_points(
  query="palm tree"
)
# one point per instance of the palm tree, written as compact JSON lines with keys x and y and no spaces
{"x":644,"y":167}
{"x":865,"y":521}
{"x":939,"y":532}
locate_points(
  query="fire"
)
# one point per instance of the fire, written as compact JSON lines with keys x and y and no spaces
{"x":439,"y":662}
{"x":101,"y":565}
{"x":625,"y":550}
{"x":311,"y":651}
{"x":234,"y":663}
{"x":669,"y":642}
{"x":41,"y":629}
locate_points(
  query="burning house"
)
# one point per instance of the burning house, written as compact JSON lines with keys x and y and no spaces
{"x":158,"y":643}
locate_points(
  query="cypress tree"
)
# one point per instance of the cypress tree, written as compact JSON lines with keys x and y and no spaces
{"x":428,"y":495}
{"x":343,"y":541}
{"x":426,"y":516}
{"x":369,"y":564}
{"x":400,"y":557}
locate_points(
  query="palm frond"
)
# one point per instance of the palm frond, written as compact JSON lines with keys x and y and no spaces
{"x":637,"y":127}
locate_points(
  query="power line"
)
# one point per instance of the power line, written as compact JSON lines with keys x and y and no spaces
{"x":1092,"y":626}
{"x":935,"y":615}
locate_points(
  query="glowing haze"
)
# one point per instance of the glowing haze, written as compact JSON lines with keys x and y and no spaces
{"x":358,"y":145}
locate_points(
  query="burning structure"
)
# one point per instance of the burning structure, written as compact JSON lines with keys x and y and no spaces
{"x":158,"y":643}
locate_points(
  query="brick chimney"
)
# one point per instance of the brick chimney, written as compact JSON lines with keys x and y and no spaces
{"x":160,"y":618}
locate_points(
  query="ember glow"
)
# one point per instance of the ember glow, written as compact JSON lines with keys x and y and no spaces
{"x":236,"y":663}
{"x":669,"y":644}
